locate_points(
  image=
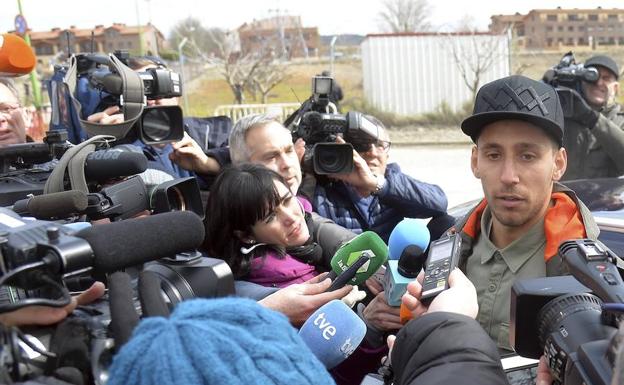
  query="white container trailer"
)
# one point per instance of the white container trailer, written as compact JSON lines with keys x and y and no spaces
{"x":413,"y":73}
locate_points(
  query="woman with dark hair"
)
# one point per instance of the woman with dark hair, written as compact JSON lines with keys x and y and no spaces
{"x":255,"y":223}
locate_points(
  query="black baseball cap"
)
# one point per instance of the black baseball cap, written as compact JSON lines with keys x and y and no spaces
{"x":516,"y":98}
{"x":604,"y":61}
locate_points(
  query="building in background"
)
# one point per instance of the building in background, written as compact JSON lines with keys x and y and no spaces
{"x":562,"y":28}
{"x":284,"y":32}
{"x":414,"y":73}
{"x":98,"y":39}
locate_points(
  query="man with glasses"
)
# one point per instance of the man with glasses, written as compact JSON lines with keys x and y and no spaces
{"x":12,"y":118}
{"x":376,"y":195}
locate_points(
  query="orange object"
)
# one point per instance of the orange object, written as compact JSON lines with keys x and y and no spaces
{"x":16,"y":57}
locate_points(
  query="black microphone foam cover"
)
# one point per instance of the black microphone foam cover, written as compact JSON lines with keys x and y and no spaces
{"x":124,"y":317}
{"x":108,"y":164}
{"x":57,"y":205}
{"x":411,"y":261}
{"x":134,"y":241}
{"x":152,"y":302}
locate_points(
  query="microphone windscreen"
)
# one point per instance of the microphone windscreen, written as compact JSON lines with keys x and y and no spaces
{"x":407,"y":232}
{"x":347,"y":254}
{"x":57,"y":205}
{"x":333,"y":332}
{"x":108,"y":164}
{"x":150,"y":294}
{"x":16,"y":57}
{"x":124,"y":317}
{"x":134,"y":241}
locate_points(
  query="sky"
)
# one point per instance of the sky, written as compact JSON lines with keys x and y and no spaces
{"x":330,"y":16}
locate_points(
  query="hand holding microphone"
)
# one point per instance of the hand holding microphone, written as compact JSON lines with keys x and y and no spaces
{"x":460,"y":298}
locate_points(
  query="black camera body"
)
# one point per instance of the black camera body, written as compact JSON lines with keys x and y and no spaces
{"x":573,"y":328}
{"x":318,"y":124}
{"x":570,"y":74}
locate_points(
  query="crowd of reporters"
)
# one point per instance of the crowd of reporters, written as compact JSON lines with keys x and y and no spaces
{"x":262,"y":218}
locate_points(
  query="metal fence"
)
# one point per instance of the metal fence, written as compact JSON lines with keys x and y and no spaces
{"x":237,"y":111}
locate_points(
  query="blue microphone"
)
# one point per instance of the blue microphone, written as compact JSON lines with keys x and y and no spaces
{"x":407,"y":243}
{"x":333,"y":332}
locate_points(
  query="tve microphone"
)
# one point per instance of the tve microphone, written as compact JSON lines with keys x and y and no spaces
{"x":134,"y":241}
{"x":108,"y":164}
{"x":55,"y":205}
{"x":407,"y":243}
{"x":368,"y":242}
{"x":333,"y":332}
{"x":16,"y":57}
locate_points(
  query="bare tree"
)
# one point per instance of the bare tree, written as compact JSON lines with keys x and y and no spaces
{"x":267,"y":76}
{"x":474,"y":53}
{"x":405,"y":15}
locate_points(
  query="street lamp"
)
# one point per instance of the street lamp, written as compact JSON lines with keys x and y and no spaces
{"x":181,"y":56}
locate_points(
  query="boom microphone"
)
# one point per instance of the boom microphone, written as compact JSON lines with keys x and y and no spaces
{"x":16,"y":57}
{"x":135,"y":241}
{"x":366,"y":243}
{"x":333,"y":332}
{"x":108,"y":164}
{"x":55,"y":205}
{"x":407,"y":243}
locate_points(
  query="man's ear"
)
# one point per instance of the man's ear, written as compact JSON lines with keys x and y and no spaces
{"x":474,"y":162}
{"x":244,"y":237}
{"x":561,"y":163}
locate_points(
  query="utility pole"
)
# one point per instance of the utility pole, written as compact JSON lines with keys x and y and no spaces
{"x":36,"y":90}
{"x":181,"y":57}
{"x":136,"y":3}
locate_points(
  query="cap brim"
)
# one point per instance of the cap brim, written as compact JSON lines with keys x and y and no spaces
{"x":473,"y":125}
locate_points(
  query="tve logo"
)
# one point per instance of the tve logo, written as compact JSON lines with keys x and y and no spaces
{"x":327,"y":329}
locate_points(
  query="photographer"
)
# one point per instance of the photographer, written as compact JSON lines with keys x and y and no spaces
{"x":594,"y":125}
{"x":12,"y":116}
{"x":376,"y":195}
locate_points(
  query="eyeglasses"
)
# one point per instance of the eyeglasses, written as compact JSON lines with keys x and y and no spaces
{"x":365,"y":146}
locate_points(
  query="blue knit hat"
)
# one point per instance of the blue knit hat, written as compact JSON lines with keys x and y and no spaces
{"x":217,"y":341}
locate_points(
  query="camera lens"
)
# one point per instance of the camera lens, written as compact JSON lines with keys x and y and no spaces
{"x":156,"y":125}
{"x":333,"y":158}
{"x":176,"y":199}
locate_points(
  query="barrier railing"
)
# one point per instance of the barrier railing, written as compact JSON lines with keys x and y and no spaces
{"x":237,"y":111}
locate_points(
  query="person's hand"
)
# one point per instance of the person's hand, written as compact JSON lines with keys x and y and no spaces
{"x":300,"y":148}
{"x":576,"y":108}
{"x":373,"y":285}
{"x":460,"y":298}
{"x":543,"y":373}
{"x":299,"y":301}
{"x":361,"y":178}
{"x":381,"y":315}
{"x":46,"y":315}
{"x":111,"y":115}
{"x":190,"y":156}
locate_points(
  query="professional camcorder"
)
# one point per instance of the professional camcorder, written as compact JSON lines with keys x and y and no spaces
{"x":318,"y":124}
{"x":574,"y":327}
{"x":93,"y":82}
{"x":570,"y":74}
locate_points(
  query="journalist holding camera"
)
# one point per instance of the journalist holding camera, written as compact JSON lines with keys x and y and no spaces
{"x":594,"y":122}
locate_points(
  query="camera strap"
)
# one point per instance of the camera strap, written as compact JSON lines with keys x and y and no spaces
{"x":132,"y":99}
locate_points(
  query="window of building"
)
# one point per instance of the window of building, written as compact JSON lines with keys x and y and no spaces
{"x":570,"y":41}
{"x":560,"y":40}
{"x":573,"y":17}
{"x":611,"y":40}
{"x":129,"y":44}
{"x":549,"y":28}
{"x":592,"y":17}
{"x":549,"y":42}
{"x":570,"y":28}
{"x":581,"y":41}
{"x":621,"y":41}
{"x":520,"y":31}
{"x":551,"y":17}
{"x":612,"y":17}
{"x":589,"y":29}
{"x":560,"y":28}
{"x":581,"y":28}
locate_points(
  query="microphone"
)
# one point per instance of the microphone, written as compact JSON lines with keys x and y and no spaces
{"x":108,"y":164}
{"x":407,"y":244}
{"x":134,"y":241}
{"x":124,"y":317}
{"x":333,"y":332}
{"x":16,"y":57}
{"x":366,"y":243}
{"x":53,"y":205}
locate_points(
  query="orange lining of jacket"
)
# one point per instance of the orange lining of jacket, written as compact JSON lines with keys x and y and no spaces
{"x":562,"y":221}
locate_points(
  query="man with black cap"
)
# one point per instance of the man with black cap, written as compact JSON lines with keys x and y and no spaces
{"x":514,"y":233}
{"x":594,"y":125}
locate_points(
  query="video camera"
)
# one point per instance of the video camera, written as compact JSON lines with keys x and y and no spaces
{"x":101,"y":82}
{"x":574,"y":329}
{"x":570,"y":74}
{"x":318,"y":124}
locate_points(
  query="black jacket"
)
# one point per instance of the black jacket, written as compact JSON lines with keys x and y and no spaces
{"x":445,"y":348}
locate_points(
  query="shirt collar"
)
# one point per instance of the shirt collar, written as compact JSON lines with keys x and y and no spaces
{"x":519,"y":251}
